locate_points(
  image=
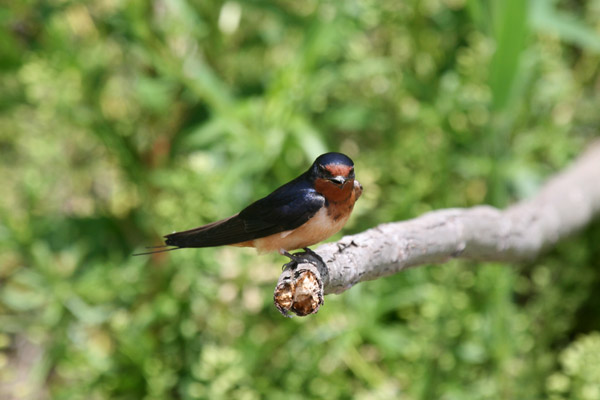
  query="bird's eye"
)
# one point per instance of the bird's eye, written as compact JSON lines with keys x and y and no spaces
{"x":322,"y":168}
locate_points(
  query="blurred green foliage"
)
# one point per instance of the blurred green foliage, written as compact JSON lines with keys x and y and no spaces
{"x":124,"y":120}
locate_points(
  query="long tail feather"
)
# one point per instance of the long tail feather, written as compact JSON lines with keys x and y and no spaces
{"x":227,"y":231}
{"x":156,"y":251}
{"x":230,"y":230}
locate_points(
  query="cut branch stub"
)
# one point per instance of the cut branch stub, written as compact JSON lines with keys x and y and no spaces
{"x":299,"y":290}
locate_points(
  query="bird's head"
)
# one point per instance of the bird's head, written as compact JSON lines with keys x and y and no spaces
{"x":333,"y":174}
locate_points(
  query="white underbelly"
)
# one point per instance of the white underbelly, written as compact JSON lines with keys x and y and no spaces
{"x":318,"y":228}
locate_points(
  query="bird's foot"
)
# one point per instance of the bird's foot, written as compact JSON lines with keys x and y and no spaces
{"x":312,"y":253}
{"x":291,"y":265}
{"x":307,"y":256}
{"x":295,"y":259}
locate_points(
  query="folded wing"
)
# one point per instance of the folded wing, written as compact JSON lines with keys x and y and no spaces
{"x":285,"y":209}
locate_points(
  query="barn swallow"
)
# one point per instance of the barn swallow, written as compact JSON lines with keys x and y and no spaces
{"x":303,"y":212}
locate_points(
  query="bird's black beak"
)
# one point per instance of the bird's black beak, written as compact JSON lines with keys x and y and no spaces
{"x":338,"y":180}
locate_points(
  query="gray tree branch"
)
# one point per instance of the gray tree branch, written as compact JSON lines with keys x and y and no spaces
{"x":564,"y":205}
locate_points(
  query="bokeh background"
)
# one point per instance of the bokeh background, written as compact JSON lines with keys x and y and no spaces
{"x":121,"y":121}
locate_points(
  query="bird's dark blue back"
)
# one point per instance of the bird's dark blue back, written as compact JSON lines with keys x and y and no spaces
{"x":288,"y":207}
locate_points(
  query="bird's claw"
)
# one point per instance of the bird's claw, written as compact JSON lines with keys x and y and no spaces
{"x":307,"y":256}
{"x":312,"y":253}
{"x":291,"y":265}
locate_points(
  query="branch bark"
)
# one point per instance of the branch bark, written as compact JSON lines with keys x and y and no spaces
{"x":564,"y":205}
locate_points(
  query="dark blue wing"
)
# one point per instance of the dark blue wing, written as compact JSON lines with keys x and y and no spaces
{"x":285,"y":209}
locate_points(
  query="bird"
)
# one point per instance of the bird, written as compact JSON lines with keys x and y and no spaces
{"x":298,"y":214}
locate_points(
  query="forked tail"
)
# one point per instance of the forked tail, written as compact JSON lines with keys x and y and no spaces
{"x":227,"y":231}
